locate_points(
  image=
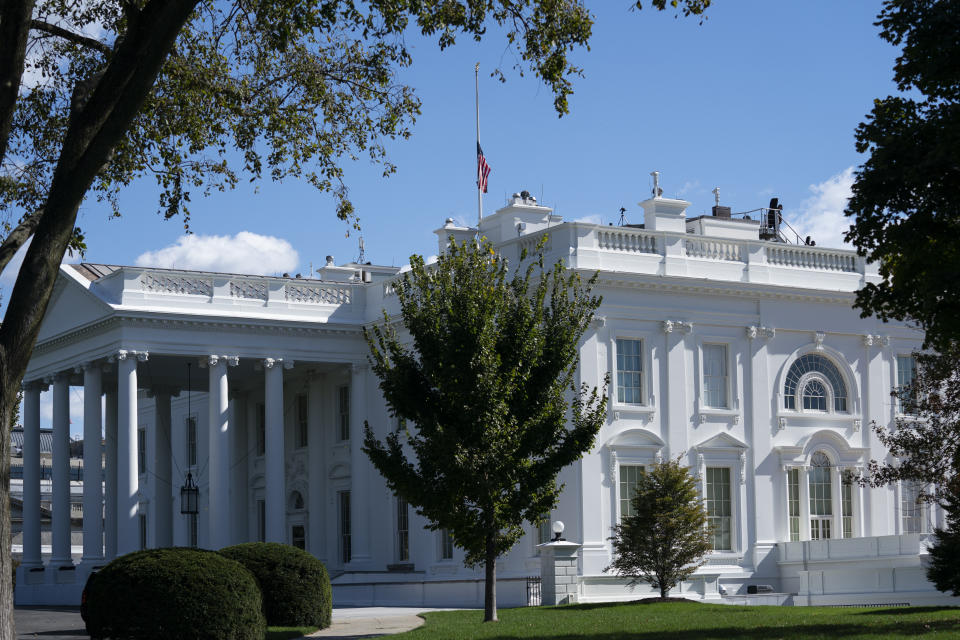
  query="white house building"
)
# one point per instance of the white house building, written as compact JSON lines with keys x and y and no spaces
{"x":728,"y":346}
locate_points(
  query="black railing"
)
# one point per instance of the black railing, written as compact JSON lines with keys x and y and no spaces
{"x":533,"y":591}
{"x":46,"y":471}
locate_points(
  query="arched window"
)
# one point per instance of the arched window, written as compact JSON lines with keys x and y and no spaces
{"x":814,"y":383}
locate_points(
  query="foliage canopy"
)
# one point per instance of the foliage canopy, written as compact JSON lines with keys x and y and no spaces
{"x":487,"y":382}
{"x":665,"y":538}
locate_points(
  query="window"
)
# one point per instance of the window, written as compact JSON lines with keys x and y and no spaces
{"x":793,"y":503}
{"x":403,"y":530}
{"x":343,"y":407}
{"x":343,"y":523}
{"x":544,"y":534}
{"x":302,"y":428}
{"x":191,"y":441}
{"x":143,"y":531}
{"x":715,"y":376}
{"x":261,"y":521}
{"x":298,"y":536}
{"x":141,"y":451}
{"x":192,"y":530}
{"x":629,"y":478}
{"x":846,"y":503}
{"x":718,"y":507}
{"x":912,"y":510}
{"x":821,"y":497}
{"x":446,"y":545}
{"x":812,"y":378}
{"x":629,"y":371}
{"x":261,"y":429}
{"x":906,"y":374}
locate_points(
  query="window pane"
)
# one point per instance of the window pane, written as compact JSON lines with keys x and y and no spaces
{"x":846,"y":506}
{"x":344,"y":526}
{"x":301,"y":437}
{"x":793,"y":503}
{"x":715,"y":375}
{"x":906,"y":373}
{"x":630,"y":371}
{"x":911,"y":509}
{"x":446,"y":545}
{"x":629,"y":478}
{"x":828,"y":374}
{"x":344,"y":411}
{"x":719,"y":511}
{"x":192,"y":441}
{"x":403,"y":530}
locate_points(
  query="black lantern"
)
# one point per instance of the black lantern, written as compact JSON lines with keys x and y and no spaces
{"x":189,"y":494}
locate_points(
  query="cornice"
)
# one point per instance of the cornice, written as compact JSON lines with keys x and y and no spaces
{"x":270,"y":327}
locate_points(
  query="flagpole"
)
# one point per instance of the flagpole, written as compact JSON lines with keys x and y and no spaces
{"x":476,"y":79}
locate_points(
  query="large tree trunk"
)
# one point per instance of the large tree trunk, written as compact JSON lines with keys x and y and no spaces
{"x":490,"y":585}
{"x":94,"y":131}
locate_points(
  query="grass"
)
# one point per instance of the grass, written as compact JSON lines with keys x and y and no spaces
{"x":673,"y":621}
{"x":282,"y":633}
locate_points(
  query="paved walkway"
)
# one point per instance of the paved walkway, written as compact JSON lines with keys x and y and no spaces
{"x":64,"y":623}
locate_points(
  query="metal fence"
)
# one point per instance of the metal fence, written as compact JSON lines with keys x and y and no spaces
{"x":533,"y":591}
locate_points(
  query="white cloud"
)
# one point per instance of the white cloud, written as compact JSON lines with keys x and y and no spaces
{"x":821,"y":215}
{"x":246,"y":252}
{"x":689,"y":187}
{"x":591,"y":219}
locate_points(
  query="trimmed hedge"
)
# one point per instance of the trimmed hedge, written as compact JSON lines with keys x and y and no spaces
{"x":181,"y":593}
{"x":295,"y":585}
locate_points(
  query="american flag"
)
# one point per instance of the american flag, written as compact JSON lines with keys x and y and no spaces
{"x":483,"y":170}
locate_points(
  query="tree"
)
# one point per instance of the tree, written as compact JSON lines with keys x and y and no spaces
{"x":905,"y":206}
{"x":487,"y":380}
{"x":944,"y":568}
{"x":666,"y":536}
{"x":197,"y":94}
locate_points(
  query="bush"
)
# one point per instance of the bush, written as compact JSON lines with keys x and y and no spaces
{"x":174,"y":593}
{"x":295,"y":585}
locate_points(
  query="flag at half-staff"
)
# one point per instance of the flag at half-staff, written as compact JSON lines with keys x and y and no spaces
{"x":483,"y":170}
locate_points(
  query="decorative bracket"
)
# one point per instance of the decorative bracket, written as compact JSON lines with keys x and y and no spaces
{"x":818,"y":338}
{"x":781,"y":424}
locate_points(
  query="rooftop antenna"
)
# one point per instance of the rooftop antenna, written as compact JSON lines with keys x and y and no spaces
{"x":657,"y":191}
{"x":623,"y":218}
{"x":363,"y":255}
{"x":716,"y":195}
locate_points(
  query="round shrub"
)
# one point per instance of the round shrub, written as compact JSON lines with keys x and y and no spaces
{"x":188,"y":594}
{"x":295,"y":585}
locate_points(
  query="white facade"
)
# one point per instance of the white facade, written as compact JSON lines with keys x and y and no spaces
{"x":741,"y":355}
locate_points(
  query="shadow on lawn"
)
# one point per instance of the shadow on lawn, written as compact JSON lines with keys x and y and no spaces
{"x":906,"y":611}
{"x":911,"y":630}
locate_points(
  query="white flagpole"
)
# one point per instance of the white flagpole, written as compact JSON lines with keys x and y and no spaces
{"x":476,"y":79}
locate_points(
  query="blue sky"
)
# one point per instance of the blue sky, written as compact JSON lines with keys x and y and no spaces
{"x":762,"y":99}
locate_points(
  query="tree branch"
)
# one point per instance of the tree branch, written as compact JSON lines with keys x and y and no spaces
{"x":16,"y":238}
{"x":14,"y":29}
{"x":66,"y":34}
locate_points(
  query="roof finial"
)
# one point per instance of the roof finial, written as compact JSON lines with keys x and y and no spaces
{"x":657,"y":191}
{"x":716,"y":195}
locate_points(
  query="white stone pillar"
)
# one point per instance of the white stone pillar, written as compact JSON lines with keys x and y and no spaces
{"x":239,"y":425}
{"x":836,"y":489}
{"x":128,"y":498}
{"x":162,"y":483}
{"x":360,"y":469}
{"x":315,"y":466}
{"x":110,"y":474}
{"x":61,"y":472}
{"x":92,"y":464}
{"x":804,"y":503}
{"x":31,"y":475}
{"x":559,"y":581}
{"x":218,"y":513}
{"x":273,"y":456}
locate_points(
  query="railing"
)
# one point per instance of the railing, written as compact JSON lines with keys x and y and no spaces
{"x":156,"y":281}
{"x":46,"y":471}
{"x":809,"y":258}
{"x":627,"y":240}
{"x":714,"y":249}
{"x":533,"y":591}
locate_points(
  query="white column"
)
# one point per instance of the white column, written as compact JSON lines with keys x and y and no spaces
{"x":92,"y":464}
{"x":218,"y":513}
{"x":162,"y":498}
{"x":804,"y":503}
{"x":273,"y":457}
{"x":837,"y":502}
{"x":315,"y":467}
{"x":360,"y":469}
{"x":128,"y":498}
{"x":31,"y":475}
{"x":110,"y":475}
{"x":239,"y":425}
{"x":61,"y":471}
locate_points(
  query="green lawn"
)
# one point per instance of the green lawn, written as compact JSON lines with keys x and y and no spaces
{"x":283,"y":633}
{"x":672,"y":621}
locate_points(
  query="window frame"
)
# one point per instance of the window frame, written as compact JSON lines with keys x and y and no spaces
{"x":727,"y":377}
{"x":401,"y":530}
{"x":190,"y":427}
{"x":445,"y":541}
{"x":142,"y":450}
{"x":343,"y":413}
{"x":731,"y":515}
{"x":261,"y":428}
{"x":899,"y":388}
{"x":805,"y":377}
{"x":301,"y":436}
{"x":645,"y":364}
{"x":344,"y":527}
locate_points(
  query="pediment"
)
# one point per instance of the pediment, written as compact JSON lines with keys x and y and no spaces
{"x":339,"y":471}
{"x":637,"y":439}
{"x":71,"y":306}
{"x":721,"y":442}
